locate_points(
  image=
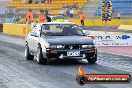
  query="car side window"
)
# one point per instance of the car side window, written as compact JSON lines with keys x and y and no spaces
{"x":45,"y":27}
{"x":34,"y":31}
{"x":34,"y":28}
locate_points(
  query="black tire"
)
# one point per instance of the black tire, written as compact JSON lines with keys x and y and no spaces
{"x":81,"y":80}
{"x":27,"y":54}
{"x":92,"y":60}
{"x":40,"y":58}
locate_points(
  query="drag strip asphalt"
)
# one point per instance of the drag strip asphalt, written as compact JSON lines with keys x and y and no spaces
{"x":16,"y":72}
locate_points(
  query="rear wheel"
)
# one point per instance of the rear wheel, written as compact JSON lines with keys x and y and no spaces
{"x":40,"y":58}
{"x":27,"y":54}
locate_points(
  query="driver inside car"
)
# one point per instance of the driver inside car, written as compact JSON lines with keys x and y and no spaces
{"x":69,"y":31}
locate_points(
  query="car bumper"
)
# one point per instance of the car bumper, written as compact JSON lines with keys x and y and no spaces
{"x":52,"y":53}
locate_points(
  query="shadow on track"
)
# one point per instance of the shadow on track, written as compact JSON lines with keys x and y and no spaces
{"x":66,"y":62}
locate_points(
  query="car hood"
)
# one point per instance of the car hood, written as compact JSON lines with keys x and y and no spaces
{"x":66,"y":40}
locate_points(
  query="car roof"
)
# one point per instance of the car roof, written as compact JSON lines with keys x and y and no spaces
{"x":57,"y":23}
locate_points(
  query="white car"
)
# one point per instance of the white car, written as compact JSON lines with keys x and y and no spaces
{"x":59,"y":40}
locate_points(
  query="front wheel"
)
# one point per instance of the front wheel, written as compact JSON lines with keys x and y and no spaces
{"x":27,"y":54}
{"x":92,"y":58}
{"x":40,"y":58}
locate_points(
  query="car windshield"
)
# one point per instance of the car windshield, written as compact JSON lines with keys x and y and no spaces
{"x":61,"y":30}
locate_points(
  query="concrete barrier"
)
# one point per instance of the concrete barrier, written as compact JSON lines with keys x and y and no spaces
{"x":24,"y":29}
{"x":97,"y":22}
{"x":16,"y":29}
{"x":125,"y":27}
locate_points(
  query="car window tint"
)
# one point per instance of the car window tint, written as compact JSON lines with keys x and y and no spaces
{"x":61,"y":30}
{"x":35,"y":30}
{"x":78,"y":29}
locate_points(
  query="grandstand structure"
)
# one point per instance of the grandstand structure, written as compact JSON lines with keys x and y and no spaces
{"x":54,"y":8}
{"x":3,"y":10}
{"x":90,"y":7}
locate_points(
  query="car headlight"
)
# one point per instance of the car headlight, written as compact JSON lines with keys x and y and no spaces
{"x":52,"y":46}
{"x":56,"y":46}
{"x":91,"y":46}
{"x":84,"y":46}
{"x":45,"y":46}
{"x":87,"y":46}
{"x":60,"y":46}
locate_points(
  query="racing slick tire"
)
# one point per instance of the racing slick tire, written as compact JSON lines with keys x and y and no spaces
{"x":40,"y":58}
{"x":92,"y":58}
{"x":27,"y":54}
